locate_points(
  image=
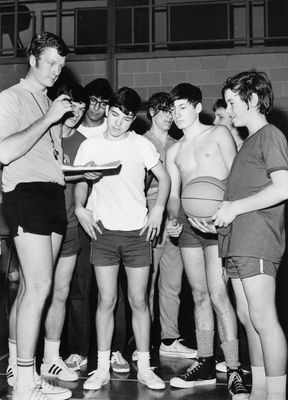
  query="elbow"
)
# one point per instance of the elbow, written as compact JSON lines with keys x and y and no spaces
{"x":5,"y":157}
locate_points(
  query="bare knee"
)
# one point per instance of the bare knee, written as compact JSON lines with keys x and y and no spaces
{"x":220,"y":301}
{"x":60,"y":293}
{"x":38,"y":290}
{"x":106,"y":303}
{"x":200,"y":297}
{"x":138,"y":301}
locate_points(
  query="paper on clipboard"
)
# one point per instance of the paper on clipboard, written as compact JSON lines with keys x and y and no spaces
{"x":83,"y":168}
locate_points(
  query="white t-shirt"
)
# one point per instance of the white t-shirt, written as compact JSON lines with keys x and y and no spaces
{"x":118,"y":199}
{"x":90,"y":131}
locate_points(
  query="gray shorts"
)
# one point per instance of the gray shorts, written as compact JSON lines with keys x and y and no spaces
{"x":246,"y":267}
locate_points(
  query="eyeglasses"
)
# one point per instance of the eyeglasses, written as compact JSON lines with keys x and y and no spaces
{"x":102,"y":104}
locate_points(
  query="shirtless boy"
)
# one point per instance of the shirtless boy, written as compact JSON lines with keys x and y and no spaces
{"x":203,"y":151}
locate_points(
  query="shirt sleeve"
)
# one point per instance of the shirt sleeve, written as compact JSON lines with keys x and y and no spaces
{"x":275,"y":151}
{"x":151,"y":157}
{"x":10,"y":114}
{"x":82,"y":156}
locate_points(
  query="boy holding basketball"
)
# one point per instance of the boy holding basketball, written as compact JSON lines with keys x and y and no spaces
{"x":203,"y":151}
{"x":253,"y":217}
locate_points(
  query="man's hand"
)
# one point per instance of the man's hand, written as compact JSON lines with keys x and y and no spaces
{"x":173,"y":227}
{"x":59,"y":107}
{"x":85,"y":217}
{"x":225,"y":214}
{"x":153,"y":223}
{"x":93,"y":175}
{"x":202,"y":225}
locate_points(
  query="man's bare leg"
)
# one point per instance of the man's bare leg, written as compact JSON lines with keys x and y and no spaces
{"x":35,"y":253}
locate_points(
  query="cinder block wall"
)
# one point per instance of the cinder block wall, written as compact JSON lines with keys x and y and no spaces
{"x":149,"y":75}
{"x":207,"y":72}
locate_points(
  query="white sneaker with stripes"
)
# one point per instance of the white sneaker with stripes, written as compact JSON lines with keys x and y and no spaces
{"x":58,"y":369}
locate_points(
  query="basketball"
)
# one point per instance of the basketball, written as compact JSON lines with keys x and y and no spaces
{"x":202,"y":196}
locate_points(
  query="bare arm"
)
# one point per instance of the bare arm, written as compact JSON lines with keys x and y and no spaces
{"x":173,"y":227}
{"x":156,"y":213}
{"x":273,"y":194}
{"x":226,"y":145}
{"x":18,"y":144}
{"x":84,"y":215}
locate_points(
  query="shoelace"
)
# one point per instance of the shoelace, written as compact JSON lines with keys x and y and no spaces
{"x":118,"y":358}
{"x":38,"y":395}
{"x":237,"y":380}
{"x":194,"y":367}
{"x":74,"y":358}
{"x":99,"y":373}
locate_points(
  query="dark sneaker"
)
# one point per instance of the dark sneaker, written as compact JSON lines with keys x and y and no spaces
{"x":236,"y":386}
{"x":202,"y":372}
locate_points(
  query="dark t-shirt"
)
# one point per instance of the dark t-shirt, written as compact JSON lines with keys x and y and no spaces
{"x":260,"y":233}
{"x":71,"y":145}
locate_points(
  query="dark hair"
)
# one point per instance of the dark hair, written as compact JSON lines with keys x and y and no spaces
{"x":75,"y":91}
{"x":219,"y":103}
{"x":248,"y":82}
{"x":188,"y":92}
{"x":127,"y":100}
{"x":99,"y":87}
{"x":160,"y":101}
{"x":42,"y":40}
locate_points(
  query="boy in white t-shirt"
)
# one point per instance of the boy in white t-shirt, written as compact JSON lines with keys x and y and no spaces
{"x":121,"y":228}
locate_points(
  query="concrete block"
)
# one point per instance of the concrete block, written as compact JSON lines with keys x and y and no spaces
{"x":147,"y":79}
{"x":201,"y":77}
{"x":279,"y":74}
{"x":213,"y":62}
{"x":174,"y":64}
{"x":173,"y":78}
{"x":132,"y":66}
{"x":126,"y":80}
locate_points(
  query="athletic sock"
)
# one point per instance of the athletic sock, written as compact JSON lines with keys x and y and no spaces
{"x":276,"y":387}
{"x":259,"y":386}
{"x":205,"y":343}
{"x":51,"y":349}
{"x":12,"y":352}
{"x":143,"y":362}
{"x":104,"y":360}
{"x":231,"y":353}
{"x":25,"y":373}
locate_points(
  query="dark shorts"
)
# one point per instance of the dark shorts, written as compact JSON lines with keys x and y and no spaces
{"x":246,"y":267}
{"x":191,"y":237}
{"x":70,"y":243}
{"x":36,"y":207}
{"x":115,"y":247}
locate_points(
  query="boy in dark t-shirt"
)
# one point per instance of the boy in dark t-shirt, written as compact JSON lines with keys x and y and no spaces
{"x":251,"y":219}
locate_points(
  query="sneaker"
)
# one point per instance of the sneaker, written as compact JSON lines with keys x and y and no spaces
{"x":118,"y":363}
{"x":150,"y":379}
{"x":52,"y":391}
{"x":222,"y":367}
{"x":97,"y":379}
{"x":177,"y":350}
{"x":236,"y":386}
{"x":76,"y":361}
{"x":134,"y":356}
{"x":58,"y":369}
{"x":32,"y":393}
{"x":202,"y":372}
{"x":11,"y":373}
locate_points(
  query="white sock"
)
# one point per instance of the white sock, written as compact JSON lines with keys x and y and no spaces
{"x":259,"y":389}
{"x":143,"y":362}
{"x":25,"y":374}
{"x":51,"y":349}
{"x":276,"y":387}
{"x":12,"y":352}
{"x":103,"y":360}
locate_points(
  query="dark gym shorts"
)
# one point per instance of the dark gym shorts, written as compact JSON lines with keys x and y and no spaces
{"x":246,"y":267}
{"x":36,"y":207}
{"x":191,"y":237}
{"x":113,"y":247}
{"x":70,"y":244}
